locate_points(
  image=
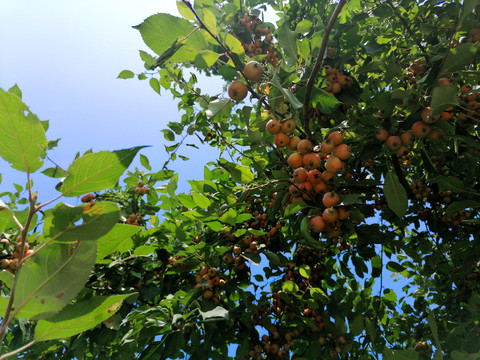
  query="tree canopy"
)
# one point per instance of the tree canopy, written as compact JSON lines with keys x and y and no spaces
{"x":350,"y":162}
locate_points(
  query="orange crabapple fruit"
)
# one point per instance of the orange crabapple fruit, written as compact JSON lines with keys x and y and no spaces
{"x":381,"y":135}
{"x":407,"y":138}
{"x":420,"y":129}
{"x":273,"y":126}
{"x":305,"y":146}
{"x":288,"y":126}
{"x":253,"y":70}
{"x":281,"y":139}
{"x":333,"y":164}
{"x":342,"y":151}
{"x":330,"y":215}
{"x":295,"y":160}
{"x":300,"y":174}
{"x":343,"y":213}
{"x":320,"y":187}
{"x":317,"y":224}
{"x":330,"y":198}
{"x":314,"y":176}
{"x":311,"y":161}
{"x":294,"y":140}
{"x":336,"y":137}
{"x":237,"y":90}
{"x":393,"y":142}
{"x":327,"y":146}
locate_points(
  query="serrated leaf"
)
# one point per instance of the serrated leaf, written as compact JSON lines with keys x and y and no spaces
{"x":287,"y":93}
{"x":97,"y":171}
{"x":321,"y":99}
{"x":218,"y":312}
{"x":293,"y":208}
{"x":7,"y":278}
{"x":253,"y":258}
{"x":79,"y":317}
{"x":287,"y":40}
{"x":201,"y":200}
{"x":185,"y":11}
{"x":395,"y":194}
{"x":290,"y":286}
{"x":458,"y":206}
{"x":395,"y":267}
{"x":22,"y":136}
{"x":52,"y":277}
{"x":449,"y":183}
{"x":55,"y":172}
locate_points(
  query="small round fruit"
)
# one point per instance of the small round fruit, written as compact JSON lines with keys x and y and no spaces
{"x":294,"y":190}
{"x":288,"y":126}
{"x":305,"y":146}
{"x":407,"y":138}
{"x":381,"y":135}
{"x":330,"y":215}
{"x":281,"y":139}
{"x":393,"y":142}
{"x":342,"y":151}
{"x":311,"y":161}
{"x":273,"y":126}
{"x":317,"y":224}
{"x":336,"y":137}
{"x":333,"y":164}
{"x":327,"y":146}
{"x":300,"y":174}
{"x":253,"y":70}
{"x":330,"y":198}
{"x":295,"y":160}
{"x":294,"y":140}
{"x":237,"y":90}
{"x":314,"y":176}
{"x":420,"y":129}
{"x":343,"y":213}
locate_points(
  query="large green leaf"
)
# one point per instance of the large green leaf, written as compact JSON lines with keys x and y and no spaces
{"x":459,"y":57}
{"x":22,"y":136}
{"x":52,"y":277}
{"x":79,"y":317}
{"x":321,"y":99}
{"x":219,"y":110}
{"x":443,"y":96}
{"x":119,"y":239}
{"x":159,"y":32}
{"x":97,"y":171}
{"x":395,"y":193}
{"x":287,"y":40}
{"x":98,"y":220}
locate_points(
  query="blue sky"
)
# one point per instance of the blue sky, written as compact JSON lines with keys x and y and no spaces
{"x":65,"y":56}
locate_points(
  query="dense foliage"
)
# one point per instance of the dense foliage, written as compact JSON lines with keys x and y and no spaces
{"x":350,"y":150}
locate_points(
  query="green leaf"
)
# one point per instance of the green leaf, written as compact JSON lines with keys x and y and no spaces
{"x":55,"y":172}
{"x":253,"y":258}
{"x":219,"y":110}
{"x":229,"y":217}
{"x":79,"y":317}
{"x":159,"y":31}
{"x":218,"y":312}
{"x":449,"y":183}
{"x":118,"y":239}
{"x":7,"y":278}
{"x":22,"y":136}
{"x":293,"y":208}
{"x":97,"y":171}
{"x":434,"y":328}
{"x":201,"y":200}
{"x":395,"y":267}
{"x":126,"y":74}
{"x":185,"y":11}
{"x":395,"y":194}
{"x":287,"y":93}
{"x":408,"y":354}
{"x":172,"y":185}
{"x":52,"y":277}
{"x":321,"y":99}
{"x":443,"y":96}
{"x":290,"y":286}
{"x":287,"y":40}
{"x":457,"y":206}
{"x":145,"y":162}
{"x":240,"y":173}
{"x":459,"y":57}
{"x":305,"y":271}
{"x":210,"y":20}
{"x":357,"y":325}
{"x":97,"y":221}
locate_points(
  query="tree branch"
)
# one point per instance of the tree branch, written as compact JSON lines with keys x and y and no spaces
{"x":319,"y":62}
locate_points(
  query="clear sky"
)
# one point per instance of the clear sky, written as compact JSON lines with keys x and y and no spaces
{"x":65,"y":56}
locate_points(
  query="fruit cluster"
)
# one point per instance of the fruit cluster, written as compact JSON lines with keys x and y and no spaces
{"x":11,"y":264}
{"x":134,"y":219}
{"x":471,"y":102}
{"x":141,"y":189}
{"x":238,"y":90}
{"x":210,"y":282}
{"x":336,"y":80}
{"x":256,"y":39}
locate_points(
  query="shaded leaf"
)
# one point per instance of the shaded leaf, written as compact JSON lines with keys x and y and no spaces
{"x":395,"y":193}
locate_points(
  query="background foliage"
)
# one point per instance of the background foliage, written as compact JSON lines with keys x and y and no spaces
{"x":280,"y":263}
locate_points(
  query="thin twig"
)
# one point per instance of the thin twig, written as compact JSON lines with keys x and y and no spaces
{"x":318,"y":63}
{"x":16,"y":351}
